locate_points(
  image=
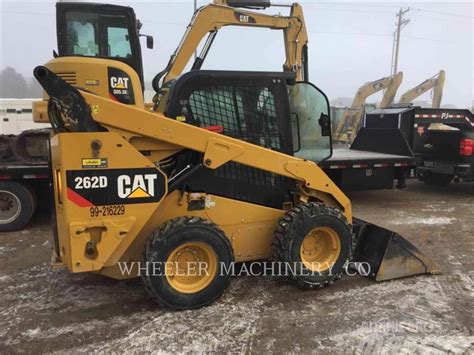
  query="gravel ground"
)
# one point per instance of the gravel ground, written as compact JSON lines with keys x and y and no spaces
{"x":46,"y":311}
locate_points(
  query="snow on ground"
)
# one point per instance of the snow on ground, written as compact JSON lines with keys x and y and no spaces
{"x":423,"y":220}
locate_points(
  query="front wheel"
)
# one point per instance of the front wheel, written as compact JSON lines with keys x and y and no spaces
{"x":313,"y":242}
{"x":185,"y":260}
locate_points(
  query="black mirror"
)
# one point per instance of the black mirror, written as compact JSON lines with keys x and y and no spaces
{"x":325,"y":123}
{"x":149,"y":42}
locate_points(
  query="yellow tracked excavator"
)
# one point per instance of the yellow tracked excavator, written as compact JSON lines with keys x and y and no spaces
{"x":351,"y":120}
{"x":436,"y":83}
{"x":223,"y":170}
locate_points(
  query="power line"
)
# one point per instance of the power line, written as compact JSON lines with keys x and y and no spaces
{"x":444,"y":13}
{"x":316,"y":7}
{"x":351,"y":33}
{"x":28,"y":13}
{"x":435,"y":40}
{"x":338,"y":8}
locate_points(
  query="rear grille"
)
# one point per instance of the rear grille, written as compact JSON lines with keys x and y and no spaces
{"x":68,"y":77}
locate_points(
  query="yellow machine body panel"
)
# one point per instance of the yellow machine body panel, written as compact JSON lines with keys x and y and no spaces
{"x":107,"y":78}
{"x":113,"y":220}
{"x":105,"y":191}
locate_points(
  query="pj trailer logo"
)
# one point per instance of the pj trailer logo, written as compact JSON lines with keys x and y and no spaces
{"x":87,"y":188}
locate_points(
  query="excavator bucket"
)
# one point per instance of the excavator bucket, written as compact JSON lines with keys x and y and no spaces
{"x":386,"y":255}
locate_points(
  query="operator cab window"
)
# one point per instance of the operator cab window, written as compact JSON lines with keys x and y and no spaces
{"x":82,"y":34}
{"x":87,"y":36}
{"x":118,"y":38}
{"x":246,"y":112}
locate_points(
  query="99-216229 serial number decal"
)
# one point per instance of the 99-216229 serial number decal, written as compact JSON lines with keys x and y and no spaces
{"x":103,"y":211}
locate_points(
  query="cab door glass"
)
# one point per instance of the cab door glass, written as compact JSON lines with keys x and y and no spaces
{"x":309,"y":108}
{"x":117,"y":37}
{"x":82,"y":34}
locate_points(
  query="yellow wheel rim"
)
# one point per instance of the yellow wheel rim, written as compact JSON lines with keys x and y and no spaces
{"x":191,"y":267}
{"x":320,"y":249}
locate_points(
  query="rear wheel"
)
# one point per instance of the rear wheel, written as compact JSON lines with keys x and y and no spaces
{"x":17,"y":205}
{"x":184,"y":259}
{"x":314,"y":241}
{"x":437,"y":179}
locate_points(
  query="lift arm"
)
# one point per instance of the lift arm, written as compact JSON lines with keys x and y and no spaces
{"x":436,"y":83}
{"x":211,"y":18}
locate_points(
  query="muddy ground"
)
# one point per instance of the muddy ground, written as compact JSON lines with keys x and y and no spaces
{"x":46,"y":311}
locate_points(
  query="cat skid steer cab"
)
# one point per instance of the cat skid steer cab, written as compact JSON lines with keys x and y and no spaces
{"x":224,"y":170}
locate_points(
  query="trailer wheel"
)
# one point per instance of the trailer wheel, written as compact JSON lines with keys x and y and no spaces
{"x":183,"y":261}
{"x":17,"y":205}
{"x":437,"y":179}
{"x":314,"y":242}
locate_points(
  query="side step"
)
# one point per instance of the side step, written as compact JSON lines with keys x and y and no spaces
{"x":388,"y":254}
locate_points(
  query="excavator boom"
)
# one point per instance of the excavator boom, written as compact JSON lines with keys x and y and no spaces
{"x":436,"y":83}
{"x":211,"y":18}
{"x":351,"y":119}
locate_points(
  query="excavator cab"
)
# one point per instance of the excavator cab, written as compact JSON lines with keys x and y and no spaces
{"x":87,"y":34}
{"x":100,"y":31}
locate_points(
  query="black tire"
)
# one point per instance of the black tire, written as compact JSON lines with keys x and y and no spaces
{"x":161,"y":245}
{"x":292,"y":229}
{"x":440,"y":180}
{"x":17,"y":205}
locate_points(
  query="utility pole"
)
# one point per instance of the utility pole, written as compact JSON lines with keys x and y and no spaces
{"x":401,"y":23}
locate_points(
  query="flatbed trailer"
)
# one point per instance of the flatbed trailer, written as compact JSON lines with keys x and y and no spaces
{"x":379,"y":156}
{"x":21,"y":187}
{"x":354,"y":170}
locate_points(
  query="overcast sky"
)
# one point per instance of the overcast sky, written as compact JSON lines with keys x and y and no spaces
{"x":350,"y":42}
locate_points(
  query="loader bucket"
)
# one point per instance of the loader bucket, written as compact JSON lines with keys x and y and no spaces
{"x":388,"y":254}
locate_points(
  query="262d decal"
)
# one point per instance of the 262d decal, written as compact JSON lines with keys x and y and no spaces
{"x":88,"y":188}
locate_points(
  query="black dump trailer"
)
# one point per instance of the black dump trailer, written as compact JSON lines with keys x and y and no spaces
{"x":380,"y":154}
{"x":441,"y":140}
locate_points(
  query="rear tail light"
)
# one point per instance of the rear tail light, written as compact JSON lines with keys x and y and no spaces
{"x":466,"y":146}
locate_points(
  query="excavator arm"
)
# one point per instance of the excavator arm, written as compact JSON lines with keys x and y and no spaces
{"x":436,"y":83}
{"x":350,"y":121}
{"x":391,"y":89}
{"x":211,"y":18}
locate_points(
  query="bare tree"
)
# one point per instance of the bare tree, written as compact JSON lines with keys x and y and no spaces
{"x":34,"y":89}
{"x":12,"y":84}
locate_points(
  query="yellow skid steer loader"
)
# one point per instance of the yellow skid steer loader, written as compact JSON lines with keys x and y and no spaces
{"x":224,"y":170}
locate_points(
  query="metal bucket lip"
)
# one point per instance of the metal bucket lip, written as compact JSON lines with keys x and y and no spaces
{"x":389,"y":255}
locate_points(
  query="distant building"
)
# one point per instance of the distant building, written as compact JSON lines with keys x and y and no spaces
{"x":16,"y":116}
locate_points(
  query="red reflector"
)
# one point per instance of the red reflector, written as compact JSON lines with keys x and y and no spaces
{"x":217,"y":129}
{"x":5,"y":177}
{"x":465,"y":147}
